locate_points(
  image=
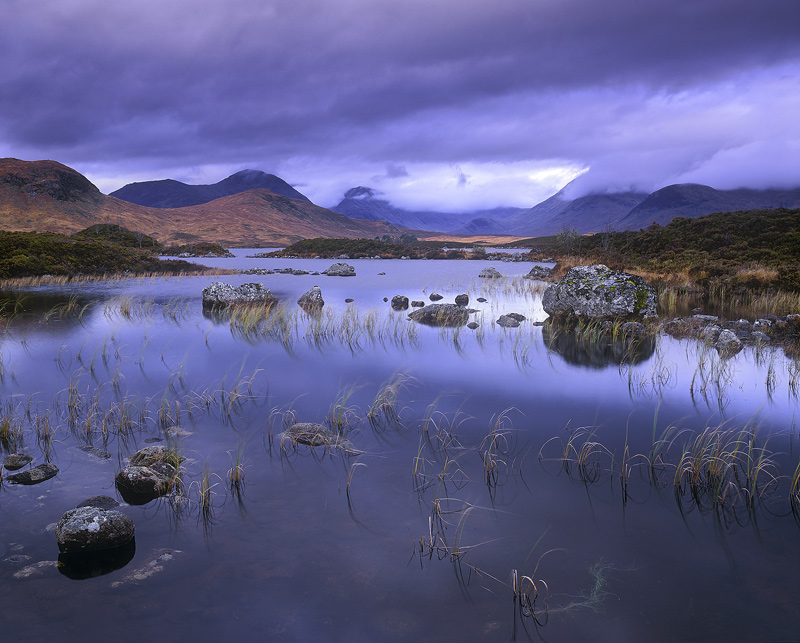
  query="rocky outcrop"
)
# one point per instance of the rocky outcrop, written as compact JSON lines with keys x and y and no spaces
{"x":34,"y":475}
{"x":340,"y":270}
{"x":220,"y":294}
{"x":489,"y":273}
{"x":399,"y":302}
{"x":597,"y":292}
{"x":441,"y":315}
{"x":311,"y":301}
{"x":88,"y":529}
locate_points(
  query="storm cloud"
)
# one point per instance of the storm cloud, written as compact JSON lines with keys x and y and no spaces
{"x":437,"y":103}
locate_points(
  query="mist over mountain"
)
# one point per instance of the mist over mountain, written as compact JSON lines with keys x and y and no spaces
{"x":168,"y":193}
{"x":365,"y":203}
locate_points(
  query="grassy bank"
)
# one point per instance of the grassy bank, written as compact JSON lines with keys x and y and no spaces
{"x":89,"y":252}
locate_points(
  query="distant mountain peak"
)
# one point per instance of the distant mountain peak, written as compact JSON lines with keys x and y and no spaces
{"x":361,"y":192}
{"x":174,"y":194}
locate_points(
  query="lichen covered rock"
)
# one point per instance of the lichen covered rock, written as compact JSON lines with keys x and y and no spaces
{"x":597,"y":292}
{"x":87,"y":529}
{"x":220,"y":294}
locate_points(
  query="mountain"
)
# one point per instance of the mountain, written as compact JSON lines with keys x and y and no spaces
{"x":590,"y":213}
{"x":692,"y":200}
{"x":48,"y":196}
{"x":168,"y":193}
{"x":635,"y":210}
{"x":365,"y":203}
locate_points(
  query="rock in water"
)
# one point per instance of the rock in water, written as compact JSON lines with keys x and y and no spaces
{"x":462,"y":300}
{"x":92,"y":529}
{"x":340,"y":270}
{"x":597,"y":292}
{"x":539,"y":272}
{"x":16,"y":461}
{"x":220,"y":294}
{"x":35,"y":475}
{"x":311,"y":301}
{"x":399,"y":302}
{"x":507,"y":321}
{"x":489,"y":273}
{"x":441,"y":315}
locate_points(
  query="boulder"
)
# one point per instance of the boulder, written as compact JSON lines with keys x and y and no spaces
{"x":462,"y":300}
{"x":435,"y":296}
{"x":141,"y":480}
{"x":399,"y":302}
{"x":507,"y":321}
{"x":597,"y":292}
{"x":489,"y":273}
{"x":728,"y":344}
{"x":34,"y":475}
{"x":87,"y":529}
{"x":539,"y":272}
{"x":441,"y":315}
{"x":710,"y":334}
{"x":340,"y":270}
{"x":311,"y":301}
{"x":16,"y":461}
{"x":417,"y":303}
{"x":220,"y":294}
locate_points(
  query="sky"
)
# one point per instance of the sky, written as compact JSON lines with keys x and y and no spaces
{"x":452,"y":105}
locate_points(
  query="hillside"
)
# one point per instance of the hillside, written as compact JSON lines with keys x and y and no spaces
{"x":169,"y":193}
{"x":635,"y":211}
{"x":48,"y":196}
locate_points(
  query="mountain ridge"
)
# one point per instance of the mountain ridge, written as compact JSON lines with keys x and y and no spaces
{"x":42,"y":196}
{"x":169,"y":193}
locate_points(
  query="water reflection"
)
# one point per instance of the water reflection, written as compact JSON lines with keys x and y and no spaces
{"x":598,"y":350}
{"x":80,"y":566}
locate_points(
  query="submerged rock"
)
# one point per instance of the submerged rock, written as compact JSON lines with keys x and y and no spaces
{"x":16,"y":461}
{"x":155,"y":565}
{"x":441,"y":315}
{"x":221,"y":294}
{"x":101,"y":502}
{"x":94,"y":451}
{"x":36,"y":570}
{"x":340,"y":270}
{"x":311,"y":301}
{"x":507,"y":321}
{"x":35,"y":475}
{"x":597,"y":292}
{"x":87,"y":529}
{"x":314,"y":435}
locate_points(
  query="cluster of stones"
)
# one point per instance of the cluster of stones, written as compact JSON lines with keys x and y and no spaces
{"x":729,"y":337}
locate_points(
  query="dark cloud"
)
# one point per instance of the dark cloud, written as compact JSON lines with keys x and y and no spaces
{"x":634,"y":90}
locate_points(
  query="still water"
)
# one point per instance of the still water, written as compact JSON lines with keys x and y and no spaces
{"x":463,"y":472}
